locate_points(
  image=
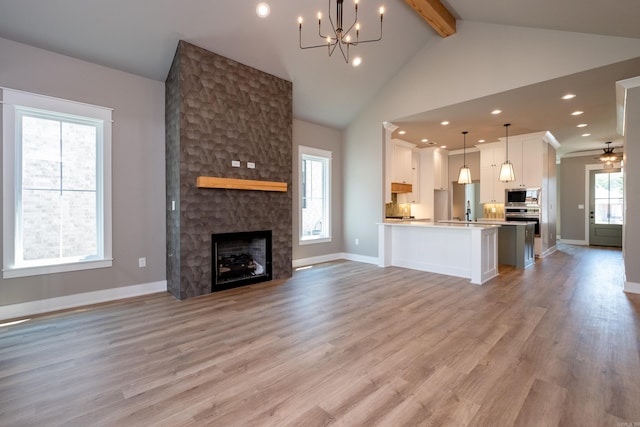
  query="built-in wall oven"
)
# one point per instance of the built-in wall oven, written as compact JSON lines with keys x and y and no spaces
{"x":524,"y":213}
{"x":523,"y":204}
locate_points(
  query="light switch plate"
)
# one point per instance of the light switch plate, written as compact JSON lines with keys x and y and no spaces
{"x":235,"y":163}
{"x":251,"y":165}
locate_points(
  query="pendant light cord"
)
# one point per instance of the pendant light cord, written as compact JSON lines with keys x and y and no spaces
{"x":506,"y":127}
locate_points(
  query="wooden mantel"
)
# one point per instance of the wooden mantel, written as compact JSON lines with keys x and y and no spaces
{"x":240,"y":184}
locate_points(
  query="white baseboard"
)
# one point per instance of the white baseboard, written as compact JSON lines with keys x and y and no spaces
{"x":361,"y":258}
{"x":549,"y":251}
{"x":574,"y":242}
{"x":31,"y":308}
{"x":301,"y":262}
{"x":632,"y":287}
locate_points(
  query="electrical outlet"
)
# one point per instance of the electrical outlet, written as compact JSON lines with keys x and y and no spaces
{"x":251,"y":165}
{"x":235,"y":163}
{"x":142,"y":262}
{"x":357,"y":241}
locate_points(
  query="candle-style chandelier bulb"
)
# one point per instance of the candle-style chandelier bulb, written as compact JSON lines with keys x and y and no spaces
{"x":339,"y":36}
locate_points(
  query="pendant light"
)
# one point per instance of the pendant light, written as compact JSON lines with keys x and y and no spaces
{"x":506,"y":170}
{"x":465,"y":173}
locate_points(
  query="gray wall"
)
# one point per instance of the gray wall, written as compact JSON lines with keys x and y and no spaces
{"x":571,"y":194}
{"x":520,"y":53}
{"x":225,"y":111}
{"x":138,"y":167}
{"x":631,"y":232}
{"x":317,"y":136}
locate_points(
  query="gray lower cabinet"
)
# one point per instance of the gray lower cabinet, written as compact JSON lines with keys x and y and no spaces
{"x":516,"y":245}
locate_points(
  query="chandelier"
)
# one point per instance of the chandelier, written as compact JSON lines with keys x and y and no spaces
{"x":340,"y":37}
{"x":608,"y":156}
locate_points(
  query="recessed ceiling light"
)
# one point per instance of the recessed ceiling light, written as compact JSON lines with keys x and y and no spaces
{"x":586,"y":134}
{"x":494,"y":112}
{"x":481,"y":140}
{"x":356,"y":61}
{"x":263,"y":10}
{"x":432,"y":143}
{"x":402,"y":132}
{"x":582,"y":125}
{"x":444,"y":123}
{"x":443,"y":146}
{"x":424,"y":140}
{"x":577,"y":113}
{"x":569,"y":96}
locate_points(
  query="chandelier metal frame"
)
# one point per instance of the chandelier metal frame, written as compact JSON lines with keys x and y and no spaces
{"x":340,"y":38}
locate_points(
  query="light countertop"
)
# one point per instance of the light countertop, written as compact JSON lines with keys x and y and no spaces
{"x":489,"y":221}
{"x":440,"y":224}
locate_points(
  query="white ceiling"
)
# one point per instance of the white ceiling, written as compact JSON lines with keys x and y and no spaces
{"x":140,"y":37}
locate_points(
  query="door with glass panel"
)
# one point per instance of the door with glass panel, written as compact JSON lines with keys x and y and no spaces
{"x":605,"y":207}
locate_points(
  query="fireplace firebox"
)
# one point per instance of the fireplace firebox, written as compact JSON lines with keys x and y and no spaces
{"x":240,"y":259}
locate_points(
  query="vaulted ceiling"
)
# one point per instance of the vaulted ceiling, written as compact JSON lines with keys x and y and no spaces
{"x":141,"y":36}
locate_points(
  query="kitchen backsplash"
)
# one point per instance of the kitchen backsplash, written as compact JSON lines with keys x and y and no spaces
{"x":493,"y":210}
{"x":397,"y":209}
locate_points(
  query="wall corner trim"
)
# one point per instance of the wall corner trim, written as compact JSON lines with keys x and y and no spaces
{"x":31,"y":308}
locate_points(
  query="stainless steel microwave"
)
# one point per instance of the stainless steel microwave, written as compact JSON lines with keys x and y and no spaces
{"x":522,"y":196}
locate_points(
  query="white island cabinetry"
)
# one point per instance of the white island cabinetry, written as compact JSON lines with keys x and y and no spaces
{"x":461,"y":250}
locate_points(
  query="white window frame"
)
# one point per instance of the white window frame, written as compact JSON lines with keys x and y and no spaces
{"x":325,"y":156}
{"x":12,"y":172}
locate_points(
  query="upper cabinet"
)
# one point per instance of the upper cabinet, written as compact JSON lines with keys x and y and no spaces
{"x":413,"y":196}
{"x":440,"y":169}
{"x":402,"y":162}
{"x":526,"y":156}
{"x":492,"y":155}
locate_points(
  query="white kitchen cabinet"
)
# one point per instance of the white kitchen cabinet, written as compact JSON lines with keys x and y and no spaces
{"x":492,"y":156}
{"x":402,"y":155}
{"x":440,"y":169}
{"x":414,"y":195}
{"x":526,"y":156}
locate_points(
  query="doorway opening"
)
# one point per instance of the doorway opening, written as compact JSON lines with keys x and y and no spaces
{"x":606,"y":207}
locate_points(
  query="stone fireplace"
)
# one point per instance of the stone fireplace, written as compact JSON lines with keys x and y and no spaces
{"x":226,"y":120}
{"x":240,"y":259}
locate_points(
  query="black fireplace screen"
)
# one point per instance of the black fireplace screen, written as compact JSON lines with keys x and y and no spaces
{"x":240,"y":259}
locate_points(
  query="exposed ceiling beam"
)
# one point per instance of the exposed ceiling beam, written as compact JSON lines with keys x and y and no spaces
{"x":436,"y":15}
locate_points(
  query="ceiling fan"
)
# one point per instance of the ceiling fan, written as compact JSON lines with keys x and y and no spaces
{"x":608,"y":156}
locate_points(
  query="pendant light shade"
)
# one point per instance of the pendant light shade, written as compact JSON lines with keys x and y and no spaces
{"x":506,"y":170}
{"x":464,"y":177}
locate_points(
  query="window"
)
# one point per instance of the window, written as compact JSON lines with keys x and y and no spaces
{"x":56,"y":185}
{"x":315,"y":193}
{"x":608,"y":198}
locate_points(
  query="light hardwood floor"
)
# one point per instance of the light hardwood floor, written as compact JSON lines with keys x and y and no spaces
{"x":344,"y":344}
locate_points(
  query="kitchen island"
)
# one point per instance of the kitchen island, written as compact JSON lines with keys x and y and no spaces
{"x":515,"y":241}
{"x":463,"y":250}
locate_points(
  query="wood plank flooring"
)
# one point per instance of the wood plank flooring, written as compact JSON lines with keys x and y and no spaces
{"x":344,"y":344}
